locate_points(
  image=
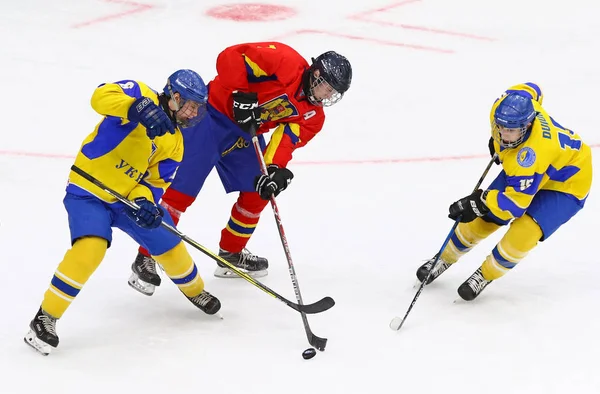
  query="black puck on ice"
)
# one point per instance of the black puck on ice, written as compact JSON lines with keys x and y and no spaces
{"x":309,"y":353}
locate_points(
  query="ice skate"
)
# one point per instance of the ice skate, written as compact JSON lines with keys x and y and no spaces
{"x":42,"y":333}
{"x":144,"y":277}
{"x":423,"y":270}
{"x":251,"y":264}
{"x":473,"y":286}
{"x":206,"y":302}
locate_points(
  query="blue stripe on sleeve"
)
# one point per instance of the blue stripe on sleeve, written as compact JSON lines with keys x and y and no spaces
{"x":288,"y":131}
{"x":188,"y":278}
{"x":506,"y":204}
{"x":64,"y":287}
{"x":110,"y":134}
{"x":501,"y":260}
{"x":563,"y":174}
{"x":536,"y":88}
{"x":130,"y":88}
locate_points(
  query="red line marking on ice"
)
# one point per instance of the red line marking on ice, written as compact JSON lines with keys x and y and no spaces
{"x":362,"y":38}
{"x":401,"y":160}
{"x":366,"y":17}
{"x":137,"y":8}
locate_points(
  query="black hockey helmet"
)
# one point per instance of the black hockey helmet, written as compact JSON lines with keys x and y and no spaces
{"x":331,"y":69}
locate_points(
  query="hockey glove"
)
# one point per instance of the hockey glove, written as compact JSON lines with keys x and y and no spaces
{"x":493,"y":150}
{"x":148,"y":216}
{"x":246,"y":111}
{"x":469,"y":208}
{"x":151,"y":116}
{"x":274,"y":183}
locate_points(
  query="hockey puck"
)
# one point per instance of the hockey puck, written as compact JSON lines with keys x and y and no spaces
{"x":309,"y":353}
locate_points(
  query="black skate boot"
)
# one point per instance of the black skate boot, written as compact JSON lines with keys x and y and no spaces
{"x":473,"y":286}
{"x":144,"y":277}
{"x":206,"y":302}
{"x":42,"y":333}
{"x":252,"y":264}
{"x":423,"y":270}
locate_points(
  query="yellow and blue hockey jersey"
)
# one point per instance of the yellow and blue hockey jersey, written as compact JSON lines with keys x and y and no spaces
{"x":120,"y":154}
{"x":552,"y":157}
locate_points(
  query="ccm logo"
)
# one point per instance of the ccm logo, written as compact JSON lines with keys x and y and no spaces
{"x":245,"y":106}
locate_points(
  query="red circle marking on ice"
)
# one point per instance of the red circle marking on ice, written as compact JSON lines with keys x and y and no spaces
{"x":253,"y":12}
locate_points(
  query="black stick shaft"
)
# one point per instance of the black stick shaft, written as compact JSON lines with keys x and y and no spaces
{"x":317,"y":307}
{"x":437,"y":257}
{"x":314,"y":340}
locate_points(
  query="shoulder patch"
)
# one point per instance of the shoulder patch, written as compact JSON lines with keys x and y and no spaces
{"x":526,"y":157}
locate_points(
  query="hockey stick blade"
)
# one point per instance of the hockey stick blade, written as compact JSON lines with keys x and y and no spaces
{"x":317,"y":342}
{"x":316,"y":307}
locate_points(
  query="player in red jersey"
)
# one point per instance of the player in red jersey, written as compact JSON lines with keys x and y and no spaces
{"x":269,"y":85}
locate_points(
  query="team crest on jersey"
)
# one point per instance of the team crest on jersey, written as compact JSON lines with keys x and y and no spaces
{"x":278,"y":108}
{"x":526,"y":157}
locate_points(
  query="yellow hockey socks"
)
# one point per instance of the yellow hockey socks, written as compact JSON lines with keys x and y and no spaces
{"x":77,"y":266}
{"x":522,"y":236}
{"x":180,"y":267}
{"x":465,"y":237}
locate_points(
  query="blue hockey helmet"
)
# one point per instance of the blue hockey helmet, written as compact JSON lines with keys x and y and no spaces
{"x":329,"y":68}
{"x":515,"y":112}
{"x":193,"y":93}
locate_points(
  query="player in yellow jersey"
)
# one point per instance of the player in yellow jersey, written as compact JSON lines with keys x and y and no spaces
{"x":545,"y":181}
{"x":135,"y":150}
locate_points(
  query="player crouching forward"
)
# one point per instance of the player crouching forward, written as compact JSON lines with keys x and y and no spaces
{"x":546,"y":177}
{"x":135,"y":150}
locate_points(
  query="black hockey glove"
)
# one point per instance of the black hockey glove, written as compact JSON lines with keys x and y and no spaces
{"x":274,"y":183}
{"x":469,"y":208}
{"x":246,"y":111}
{"x":493,"y":150}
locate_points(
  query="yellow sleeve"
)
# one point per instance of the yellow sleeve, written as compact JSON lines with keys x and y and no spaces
{"x":524,"y":174}
{"x":115,"y":99}
{"x":528,"y":89}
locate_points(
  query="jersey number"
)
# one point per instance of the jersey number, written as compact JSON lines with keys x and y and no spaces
{"x":525,"y":183}
{"x":565,"y":140}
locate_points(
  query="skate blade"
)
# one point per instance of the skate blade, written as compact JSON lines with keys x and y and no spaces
{"x":224,"y":272}
{"x":143,"y":287}
{"x":39,"y":345}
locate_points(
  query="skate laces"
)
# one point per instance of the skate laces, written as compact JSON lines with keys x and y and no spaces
{"x":477,"y":282}
{"x":202,"y":299}
{"x":247,"y":255}
{"x":147,"y":263}
{"x":49,"y":324}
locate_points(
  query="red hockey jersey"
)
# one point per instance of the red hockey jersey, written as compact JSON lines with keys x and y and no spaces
{"x":274,"y":71}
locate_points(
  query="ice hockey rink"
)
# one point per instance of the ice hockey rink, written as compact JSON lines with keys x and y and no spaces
{"x":368,"y":203}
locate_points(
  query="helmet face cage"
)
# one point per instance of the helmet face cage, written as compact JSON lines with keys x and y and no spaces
{"x":190,"y":107}
{"x":513,"y":115}
{"x":497,"y":134}
{"x":319,"y":87}
{"x":330,"y":78}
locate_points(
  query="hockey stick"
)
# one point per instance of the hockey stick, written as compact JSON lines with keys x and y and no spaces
{"x":315,"y":341}
{"x":317,"y":307}
{"x":396,"y":323}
